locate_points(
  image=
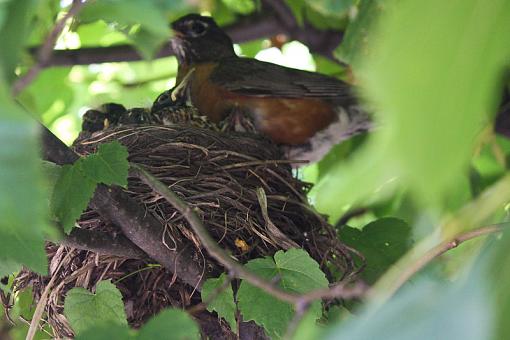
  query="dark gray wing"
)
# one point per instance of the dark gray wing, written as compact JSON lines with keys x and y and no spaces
{"x":257,"y":78}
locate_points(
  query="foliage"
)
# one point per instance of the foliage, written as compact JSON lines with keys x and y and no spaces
{"x":84,"y":309}
{"x":76,"y":183}
{"x":431,"y":71}
{"x":382,"y":242}
{"x":223,"y":301}
{"x":171,"y":324}
{"x":296,"y":272}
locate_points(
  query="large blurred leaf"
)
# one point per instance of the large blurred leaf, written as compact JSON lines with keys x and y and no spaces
{"x":424,"y":311}
{"x":15,"y":17}
{"x":357,"y":41}
{"x":84,"y":309}
{"x":499,"y":276}
{"x":432,"y":85}
{"x":382,"y":242}
{"x":296,"y":272}
{"x":23,"y":209}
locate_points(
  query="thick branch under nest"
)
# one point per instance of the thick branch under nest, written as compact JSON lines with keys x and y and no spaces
{"x":222,"y":177}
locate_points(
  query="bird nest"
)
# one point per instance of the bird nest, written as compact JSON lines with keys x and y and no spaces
{"x":221,"y":176}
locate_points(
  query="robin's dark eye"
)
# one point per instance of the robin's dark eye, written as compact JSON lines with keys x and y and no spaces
{"x":198,"y":28}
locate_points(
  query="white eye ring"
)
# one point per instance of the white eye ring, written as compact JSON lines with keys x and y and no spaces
{"x":196,"y":28}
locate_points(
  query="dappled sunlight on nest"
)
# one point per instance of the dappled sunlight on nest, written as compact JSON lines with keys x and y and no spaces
{"x":221,"y":176}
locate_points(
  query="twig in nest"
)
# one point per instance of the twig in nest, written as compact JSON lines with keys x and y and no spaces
{"x":115,"y":205}
{"x":39,"y":309}
{"x":299,"y":301}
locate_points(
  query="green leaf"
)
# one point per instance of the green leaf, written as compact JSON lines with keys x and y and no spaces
{"x":357,"y":42}
{"x":108,"y":165}
{"x":223,"y":303}
{"x":499,"y":280}
{"x":298,"y":9}
{"x":240,"y":6}
{"x":336,"y":8}
{"x":84,"y":309}
{"x":8,"y":267}
{"x":13,"y":34}
{"x":76,"y":184}
{"x":296,"y":272}
{"x":71,"y":195}
{"x":382,"y":242}
{"x":130,"y":13}
{"x":24,"y":214}
{"x":108,"y":331}
{"x":425,"y":310}
{"x":432,"y":85}
{"x":52,"y":173}
{"x":171,"y":324}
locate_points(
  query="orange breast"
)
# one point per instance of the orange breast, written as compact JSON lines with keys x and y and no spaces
{"x":284,"y":120}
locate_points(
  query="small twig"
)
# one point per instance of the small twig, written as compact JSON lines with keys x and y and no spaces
{"x":442,"y":248}
{"x":340,"y":290}
{"x":256,"y":26}
{"x":44,"y":53}
{"x":39,"y":309}
{"x":142,"y":229}
{"x":472,"y":214}
{"x":294,"y":323}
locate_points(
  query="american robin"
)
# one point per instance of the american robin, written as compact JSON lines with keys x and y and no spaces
{"x":305,"y":111}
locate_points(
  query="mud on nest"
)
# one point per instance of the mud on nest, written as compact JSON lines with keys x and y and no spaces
{"x":219,"y":175}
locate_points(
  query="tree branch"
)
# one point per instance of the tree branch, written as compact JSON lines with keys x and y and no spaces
{"x":102,"y":243}
{"x":249,"y":28}
{"x":140,"y":228}
{"x":234,"y":267}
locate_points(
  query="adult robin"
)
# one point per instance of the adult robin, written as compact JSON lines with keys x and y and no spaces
{"x":307,"y":112}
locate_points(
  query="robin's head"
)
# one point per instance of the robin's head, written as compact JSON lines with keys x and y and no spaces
{"x":199,"y":39}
